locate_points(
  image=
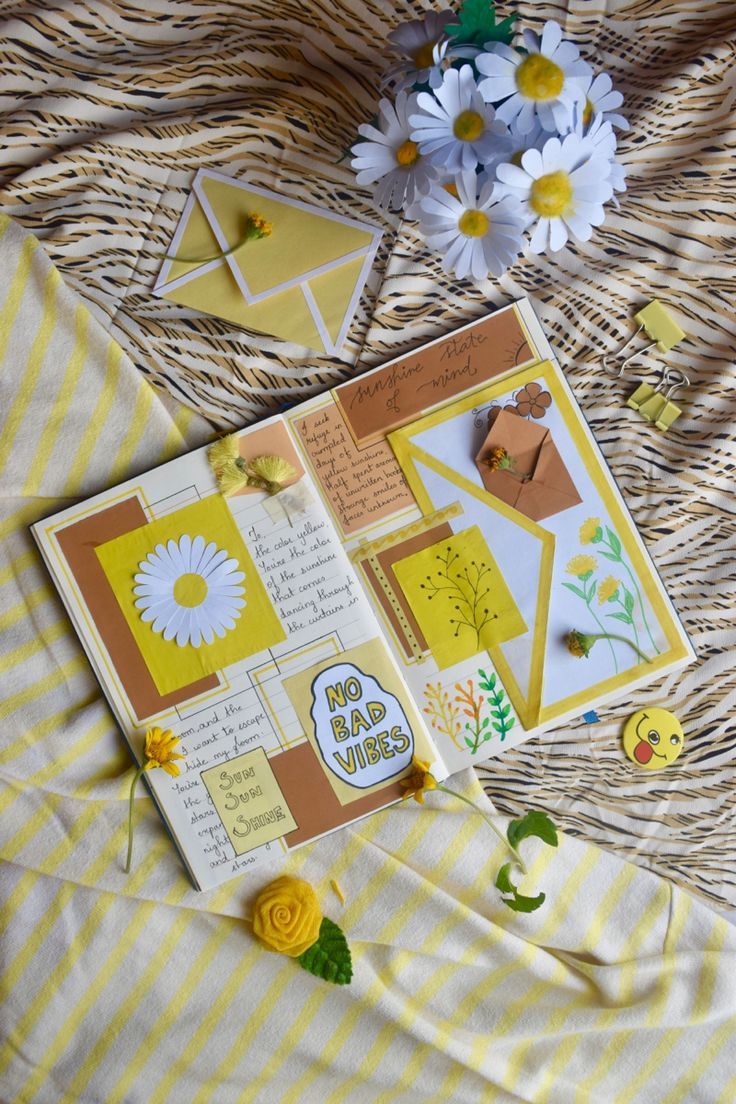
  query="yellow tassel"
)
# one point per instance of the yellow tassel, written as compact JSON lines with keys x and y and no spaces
{"x":273,"y":470}
{"x":232,"y":472}
{"x":224,"y":451}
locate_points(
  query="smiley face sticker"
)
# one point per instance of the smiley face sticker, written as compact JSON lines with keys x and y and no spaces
{"x":653,"y":738}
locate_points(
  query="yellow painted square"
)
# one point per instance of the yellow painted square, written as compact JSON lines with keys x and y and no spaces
{"x":249,"y":800}
{"x":459,"y":597}
{"x":171,"y":666}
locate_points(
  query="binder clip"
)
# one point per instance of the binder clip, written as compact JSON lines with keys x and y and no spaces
{"x":656,"y":405}
{"x":659,"y":325}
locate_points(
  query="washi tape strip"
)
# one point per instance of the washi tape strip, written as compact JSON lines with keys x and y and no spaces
{"x":366,"y":549}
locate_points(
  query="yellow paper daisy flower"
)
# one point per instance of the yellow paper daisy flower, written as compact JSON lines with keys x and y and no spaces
{"x":581,"y":565}
{"x":589,"y":530}
{"x":607,"y":589}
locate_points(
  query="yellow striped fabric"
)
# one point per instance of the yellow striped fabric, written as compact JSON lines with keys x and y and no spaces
{"x":138,"y":990}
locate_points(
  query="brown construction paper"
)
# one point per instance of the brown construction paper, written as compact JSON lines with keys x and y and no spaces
{"x":77,"y":543}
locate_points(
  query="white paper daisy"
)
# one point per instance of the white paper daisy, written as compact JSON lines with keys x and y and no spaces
{"x":601,"y":100}
{"x":600,"y":141}
{"x":544,"y":83}
{"x":455,"y":128}
{"x":190,"y":590}
{"x":391,"y":157}
{"x":563,"y":187}
{"x":478,"y":230}
{"x":425,"y":50}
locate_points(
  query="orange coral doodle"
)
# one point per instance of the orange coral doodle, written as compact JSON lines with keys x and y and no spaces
{"x":477,"y":729}
{"x":443,"y":713}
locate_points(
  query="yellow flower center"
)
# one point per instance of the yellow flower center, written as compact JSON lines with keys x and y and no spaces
{"x":516,"y":158}
{"x":551,"y":195}
{"x":473,"y":224}
{"x":538,"y":78}
{"x":468,"y":126}
{"x":587,"y":112}
{"x":451,"y":187}
{"x":423,"y":57}
{"x":407,"y":154}
{"x":190,"y":590}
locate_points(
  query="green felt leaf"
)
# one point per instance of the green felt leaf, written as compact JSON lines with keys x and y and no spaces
{"x":517,"y":901}
{"x":534,"y":823}
{"x":614,"y":542}
{"x":477,"y":23}
{"x":329,"y":958}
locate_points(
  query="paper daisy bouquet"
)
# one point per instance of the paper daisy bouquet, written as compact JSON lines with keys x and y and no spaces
{"x":485,"y":143}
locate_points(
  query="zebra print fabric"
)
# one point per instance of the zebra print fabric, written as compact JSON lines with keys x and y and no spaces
{"x":109,"y":108}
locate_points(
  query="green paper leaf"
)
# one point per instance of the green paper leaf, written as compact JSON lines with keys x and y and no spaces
{"x":503,"y":879}
{"x":477,"y":24}
{"x":517,"y":902}
{"x":535,"y":823}
{"x":614,"y":542}
{"x":329,"y":958}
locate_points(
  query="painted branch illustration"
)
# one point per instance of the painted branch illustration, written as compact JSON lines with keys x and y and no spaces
{"x":478,"y":729}
{"x":467,"y":589}
{"x":443,"y":713}
{"x":503,"y":721}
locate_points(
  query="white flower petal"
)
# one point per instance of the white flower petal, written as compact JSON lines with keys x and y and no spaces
{"x":551,"y":37}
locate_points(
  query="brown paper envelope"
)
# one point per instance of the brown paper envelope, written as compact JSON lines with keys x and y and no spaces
{"x":549,"y":490}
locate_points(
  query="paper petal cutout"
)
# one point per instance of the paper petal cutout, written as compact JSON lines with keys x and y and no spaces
{"x":212,"y":614}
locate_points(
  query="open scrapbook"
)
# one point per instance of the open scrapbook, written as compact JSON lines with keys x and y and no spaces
{"x":409,"y":592}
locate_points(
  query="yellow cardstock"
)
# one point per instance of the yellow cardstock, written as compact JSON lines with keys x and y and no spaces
{"x":257,"y":627}
{"x":248,"y":800}
{"x":360,"y":719}
{"x":459,"y":597}
{"x":301,"y":283}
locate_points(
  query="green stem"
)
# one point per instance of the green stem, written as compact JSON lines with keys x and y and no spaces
{"x":641,"y":603}
{"x":517,"y":857}
{"x":624,"y":640}
{"x":131,"y":806}
{"x":249,"y":235}
{"x":602,"y":627}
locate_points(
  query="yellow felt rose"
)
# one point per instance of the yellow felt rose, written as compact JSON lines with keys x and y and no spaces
{"x":287,"y":916}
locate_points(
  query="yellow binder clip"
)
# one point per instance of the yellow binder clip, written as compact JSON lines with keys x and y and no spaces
{"x":659,"y":325}
{"x":656,"y":405}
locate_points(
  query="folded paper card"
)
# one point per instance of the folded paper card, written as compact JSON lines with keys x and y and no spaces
{"x":535,"y":480}
{"x":301,"y":283}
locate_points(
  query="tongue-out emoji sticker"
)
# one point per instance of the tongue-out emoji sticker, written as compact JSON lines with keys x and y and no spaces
{"x":653,"y":738}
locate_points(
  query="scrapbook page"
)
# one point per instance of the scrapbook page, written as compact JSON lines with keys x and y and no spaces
{"x":447,"y":570}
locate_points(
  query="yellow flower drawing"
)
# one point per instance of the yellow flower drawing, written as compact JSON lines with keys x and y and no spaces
{"x":287,"y":916}
{"x":607,"y":589}
{"x":581,"y":565}
{"x":589,"y":530}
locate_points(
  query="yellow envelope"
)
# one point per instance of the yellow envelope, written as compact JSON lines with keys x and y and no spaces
{"x":302,"y":283}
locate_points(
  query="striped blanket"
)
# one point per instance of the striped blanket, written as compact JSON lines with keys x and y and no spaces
{"x":107,"y":110}
{"x":138,"y":990}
